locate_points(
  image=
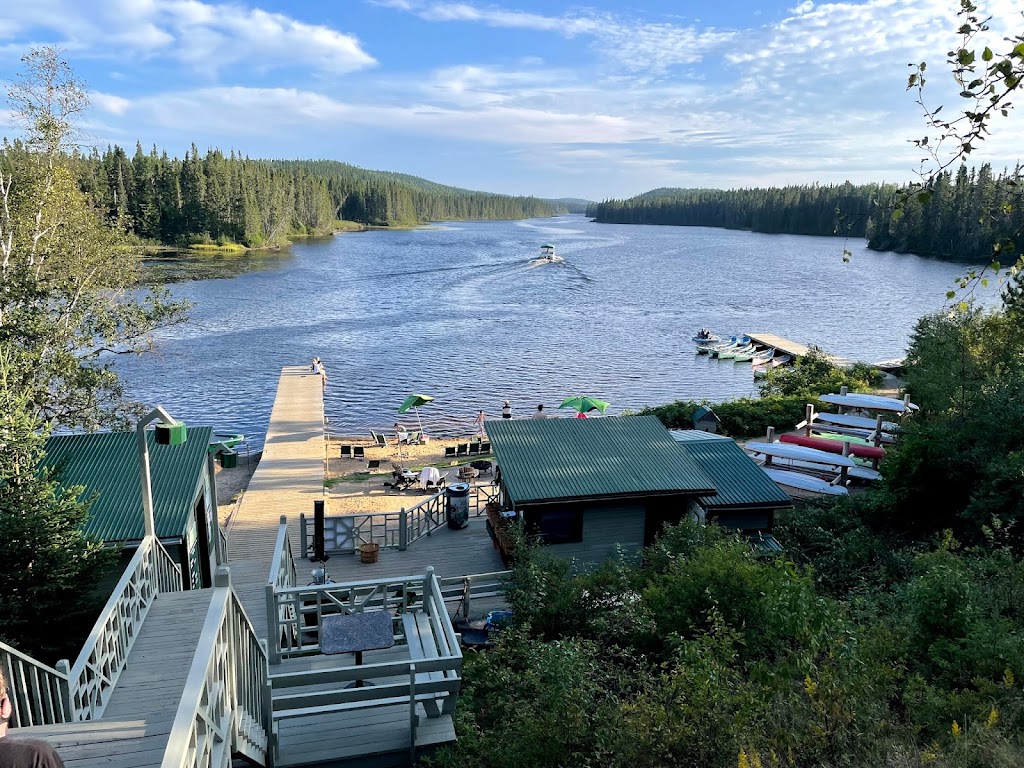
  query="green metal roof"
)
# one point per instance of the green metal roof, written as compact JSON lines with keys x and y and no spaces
{"x":106,"y":464}
{"x":740,"y":482}
{"x":548,"y":460}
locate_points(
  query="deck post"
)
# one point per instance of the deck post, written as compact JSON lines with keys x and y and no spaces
{"x":412,"y":714}
{"x":273,"y":629}
{"x":878,"y":431}
{"x":222,"y":577}
{"x":770,"y":436}
{"x":64,"y":667}
{"x":303,"y":536}
{"x":403,"y":530}
{"x":808,"y":418}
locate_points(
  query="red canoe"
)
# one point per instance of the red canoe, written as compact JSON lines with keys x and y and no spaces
{"x":833,"y":446}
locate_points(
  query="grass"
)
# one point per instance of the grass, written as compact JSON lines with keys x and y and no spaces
{"x":355,"y":477}
{"x":215,"y":248}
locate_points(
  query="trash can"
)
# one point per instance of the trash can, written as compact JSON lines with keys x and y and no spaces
{"x":229,"y":459}
{"x":457,"y":496}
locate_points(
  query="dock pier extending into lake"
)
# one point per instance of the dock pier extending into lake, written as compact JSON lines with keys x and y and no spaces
{"x":792,"y":348}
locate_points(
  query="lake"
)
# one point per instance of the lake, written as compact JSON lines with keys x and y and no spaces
{"x":459,"y":312}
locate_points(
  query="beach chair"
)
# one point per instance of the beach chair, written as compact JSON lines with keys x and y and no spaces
{"x":358,"y":452}
{"x":346,"y":451}
{"x":414,"y":438}
{"x":485,"y":448}
{"x":474,"y":449}
{"x":462,"y":449}
{"x":378,"y":439}
{"x":449,"y":451}
{"x":372,"y":464}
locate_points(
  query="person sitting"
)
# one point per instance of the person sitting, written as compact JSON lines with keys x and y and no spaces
{"x":539,"y":414}
{"x":21,"y":753}
{"x":401,"y":433}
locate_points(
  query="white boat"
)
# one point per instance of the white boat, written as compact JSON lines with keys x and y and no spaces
{"x":868,"y":402}
{"x":547,"y":253}
{"x":729,"y":354}
{"x":761,"y":369}
{"x":803,"y":482}
{"x":707,"y":349}
{"x":857,"y":422}
{"x":800,"y":453}
{"x":854,"y":472}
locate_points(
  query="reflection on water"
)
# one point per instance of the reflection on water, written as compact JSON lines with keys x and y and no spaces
{"x":179,"y":266}
{"x":460,"y":312}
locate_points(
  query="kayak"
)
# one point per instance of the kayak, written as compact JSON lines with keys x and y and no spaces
{"x":800,"y":453}
{"x":804,"y":482}
{"x":868,"y":402}
{"x":859,"y":422}
{"x":834,"y":446}
{"x":855,"y":472}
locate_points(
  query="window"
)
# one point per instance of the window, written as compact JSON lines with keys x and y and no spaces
{"x":558,"y":525}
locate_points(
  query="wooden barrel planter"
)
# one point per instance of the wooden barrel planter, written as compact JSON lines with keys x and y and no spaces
{"x":369,"y":552}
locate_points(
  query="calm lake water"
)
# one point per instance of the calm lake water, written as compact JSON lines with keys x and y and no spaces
{"x":460,"y":313}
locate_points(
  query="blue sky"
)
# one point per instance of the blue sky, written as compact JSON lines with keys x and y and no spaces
{"x":596,"y":99}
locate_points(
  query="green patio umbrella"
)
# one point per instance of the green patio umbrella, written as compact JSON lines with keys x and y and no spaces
{"x":415,"y":401}
{"x":584,"y":404}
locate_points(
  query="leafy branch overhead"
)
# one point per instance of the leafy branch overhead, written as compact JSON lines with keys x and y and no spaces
{"x":987,"y":79}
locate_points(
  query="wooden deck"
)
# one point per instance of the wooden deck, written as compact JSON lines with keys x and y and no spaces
{"x":288,"y":479}
{"x":452,"y":553}
{"x":137,"y":720}
{"x":793,"y":348}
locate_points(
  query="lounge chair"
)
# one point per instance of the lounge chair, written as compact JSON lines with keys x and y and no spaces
{"x":379,"y":439}
{"x":414,"y":438}
{"x":474,"y":449}
{"x":449,"y":451}
{"x":372,"y":464}
{"x":485,"y":448}
{"x":358,"y":452}
{"x":346,"y":451}
{"x":462,"y":449}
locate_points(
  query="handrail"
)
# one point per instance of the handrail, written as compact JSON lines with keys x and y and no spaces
{"x":38,"y":693}
{"x":222,"y":709}
{"x":463,"y":589}
{"x":282,"y":576}
{"x":105,"y":652}
{"x":393,"y":530}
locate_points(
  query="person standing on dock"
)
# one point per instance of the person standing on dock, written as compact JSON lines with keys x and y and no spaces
{"x":506,"y":410}
{"x":479,"y":421}
{"x":18,"y":753}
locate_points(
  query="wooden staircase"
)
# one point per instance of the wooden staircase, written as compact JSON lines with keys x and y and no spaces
{"x":136,"y":722}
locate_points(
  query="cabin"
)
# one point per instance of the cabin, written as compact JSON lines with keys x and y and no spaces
{"x":590,"y":487}
{"x":706,"y":420}
{"x":184,"y":494}
{"x":747,"y":499}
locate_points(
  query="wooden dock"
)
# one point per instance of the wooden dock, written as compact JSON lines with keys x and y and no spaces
{"x":793,"y":348}
{"x":288,"y":479}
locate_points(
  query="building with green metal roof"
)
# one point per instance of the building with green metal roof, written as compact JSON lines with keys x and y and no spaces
{"x":594,"y":486}
{"x":747,"y":498}
{"x":184,"y":493}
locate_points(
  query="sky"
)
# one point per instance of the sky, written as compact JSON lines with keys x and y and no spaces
{"x":595,"y":100}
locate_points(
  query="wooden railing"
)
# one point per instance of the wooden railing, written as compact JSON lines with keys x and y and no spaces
{"x":38,"y":693}
{"x":92,"y":678}
{"x":391,"y":530}
{"x":223,"y":710}
{"x":431,"y":678}
{"x":282,"y":576}
{"x":462,"y":590}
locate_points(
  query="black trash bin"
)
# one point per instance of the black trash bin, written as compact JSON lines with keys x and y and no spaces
{"x":457,"y":496}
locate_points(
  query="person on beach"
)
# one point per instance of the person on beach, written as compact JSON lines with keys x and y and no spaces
{"x":21,"y":753}
{"x":401,"y":433}
{"x":479,"y":421}
{"x":506,"y":410}
{"x":539,"y":413}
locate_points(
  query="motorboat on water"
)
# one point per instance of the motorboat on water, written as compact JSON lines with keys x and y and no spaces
{"x":704,"y":337}
{"x":737,"y":343}
{"x":547,"y":254}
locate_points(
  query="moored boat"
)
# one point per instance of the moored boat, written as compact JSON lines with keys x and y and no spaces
{"x":800,"y":481}
{"x":220,"y":441}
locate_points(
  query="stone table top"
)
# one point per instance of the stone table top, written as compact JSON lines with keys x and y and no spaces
{"x":356,"y":632}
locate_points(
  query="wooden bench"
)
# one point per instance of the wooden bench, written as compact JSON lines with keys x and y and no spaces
{"x":420,"y":637}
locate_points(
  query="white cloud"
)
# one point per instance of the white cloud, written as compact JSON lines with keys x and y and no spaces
{"x":205,"y":36}
{"x":108,"y":102}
